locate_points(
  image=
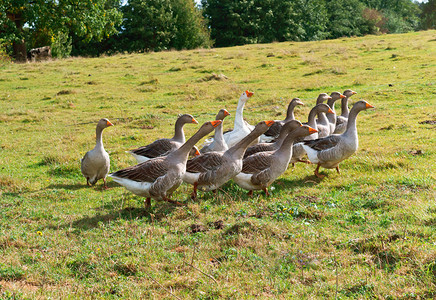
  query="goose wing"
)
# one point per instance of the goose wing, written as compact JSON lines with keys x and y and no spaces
{"x":147,"y":171}
{"x":324,"y":143}
{"x":256,"y":163}
{"x":157,"y":148}
{"x":205,"y":162}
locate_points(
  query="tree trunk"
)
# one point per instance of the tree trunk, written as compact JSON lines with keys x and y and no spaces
{"x":20,"y":51}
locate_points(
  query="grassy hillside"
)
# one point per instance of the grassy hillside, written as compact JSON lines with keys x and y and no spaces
{"x":368,"y":232}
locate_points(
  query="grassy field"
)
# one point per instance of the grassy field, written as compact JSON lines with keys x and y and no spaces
{"x":366,"y":233}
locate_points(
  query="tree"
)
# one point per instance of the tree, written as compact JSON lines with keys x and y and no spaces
{"x":40,"y":20}
{"x":345,"y":18}
{"x":428,"y":15}
{"x":235,"y":22}
{"x":153,"y":25}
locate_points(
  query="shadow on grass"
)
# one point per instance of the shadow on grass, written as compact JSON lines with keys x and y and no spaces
{"x":286,"y":184}
{"x":77,"y":186}
{"x":157,"y":211}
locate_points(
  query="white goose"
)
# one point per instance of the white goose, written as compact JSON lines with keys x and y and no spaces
{"x":241,"y":128}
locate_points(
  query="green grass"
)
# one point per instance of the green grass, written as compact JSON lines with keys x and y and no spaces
{"x":366,"y":233}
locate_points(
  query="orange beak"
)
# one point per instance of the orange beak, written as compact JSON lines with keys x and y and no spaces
{"x":354,"y":93}
{"x":342,"y":96}
{"x":329,"y":98}
{"x":369,"y":105}
{"x":109,"y":123}
{"x":269,"y":123}
{"x":194,"y":121}
{"x":300,"y":103}
{"x":226,"y":113}
{"x":197,"y":153}
{"x":216,"y":123}
{"x":249,"y":94}
{"x":330,"y":111}
{"x":312,"y":130}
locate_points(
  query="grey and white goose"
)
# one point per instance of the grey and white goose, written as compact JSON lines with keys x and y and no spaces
{"x":262,"y":147}
{"x":329,"y":151}
{"x":332,"y":117}
{"x":322,"y":123}
{"x":274,"y":131}
{"x":261,"y":169}
{"x":211,"y":170}
{"x":341,"y":121}
{"x":162,"y":147}
{"x":298,"y":150}
{"x":159,"y":177}
{"x":218,"y":144}
{"x":95,"y":164}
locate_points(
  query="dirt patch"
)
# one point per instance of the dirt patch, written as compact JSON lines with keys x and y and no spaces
{"x":430,"y":122}
{"x":217,"y":224}
{"x":198,"y":228}
{"x":214,"y":76}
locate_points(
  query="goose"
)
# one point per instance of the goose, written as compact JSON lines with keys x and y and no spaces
{"x":159,"y":177}
{"x":274,"y":130}
{"x":322,"y":123}
{"x":262,"y":147}
{"x":261,"y":169}
{"x":341,"y":121}
{"x":211,"y":170}
{"x":298,"y":150}
{"x":328,"y":152}
{"x":218,"y":143}
{"x":162,"y":147}
{"x":241,"y":128}
{"x":332,"y":117}
{"x":95,"y":164}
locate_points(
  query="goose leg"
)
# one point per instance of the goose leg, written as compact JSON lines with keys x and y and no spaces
{"x":337,"y":169}
{"x":266,"y":191}
{"x":293,"y":165}
{"x":104,"y":184}
{"x":194,"y":193}
{"x":250,"y":193}
{"x":304,"y":161}
{"x":87,"y":182}
{"x":173,"y":201}
{"x":317,"y":173}
{"x":147,"y":202}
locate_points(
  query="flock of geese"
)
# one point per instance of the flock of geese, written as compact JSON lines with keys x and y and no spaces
{"x":253,"y":156}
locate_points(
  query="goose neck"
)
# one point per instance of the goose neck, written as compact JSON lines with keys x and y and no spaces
{"x":179,"y":134}
{"x":344,"y":107}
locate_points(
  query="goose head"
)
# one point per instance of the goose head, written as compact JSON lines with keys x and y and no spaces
{"x":222,"y":114}
{"x":362,"y":105}
{"x":194,"y":151}
{"x":322,"y":98}
{"x":349,"y":93}
{"x":304,"y":131}
{"x":336,"y":96}
{"x":296,"y":101}
{"x":246,"y":95}
{"x":291,"y":125}
{"x":104,"y":123}
{"x":263,"y":126}
{"x":324,"y":108}
{"x":186,"y":118}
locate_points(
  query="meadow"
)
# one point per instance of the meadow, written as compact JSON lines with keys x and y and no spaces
{"x":368,"y":232}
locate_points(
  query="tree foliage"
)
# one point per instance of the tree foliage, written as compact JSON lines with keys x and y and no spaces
{"x":234,"y":22}
{"x":37,"y":21}
{"x":162,"y":24}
